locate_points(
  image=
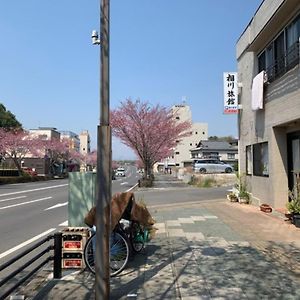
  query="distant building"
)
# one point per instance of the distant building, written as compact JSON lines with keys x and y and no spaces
{"x":84,"y":138}
{"x":73,"y":138}
{"x":198,"y":131}
{"x":45,"y":133}
{"x":221,"y":150}
{"x":181,"y":153}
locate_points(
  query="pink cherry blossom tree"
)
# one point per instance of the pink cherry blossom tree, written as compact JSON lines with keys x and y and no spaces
{"x":150,"y":131}
{"x":16,"y":144}
{"x":57,"y":151}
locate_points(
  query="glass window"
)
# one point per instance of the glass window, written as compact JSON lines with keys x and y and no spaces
{"x":270,"y":62}
{"x":230,"y":156}
{"x":262,"y":62}
{"x":279,"y":55}
{"x":282,"y":53}
{"x":261,"y":159}
{"x":249,"y":160}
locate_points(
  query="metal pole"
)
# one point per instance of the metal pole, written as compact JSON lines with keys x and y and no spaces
{"x":57,"y":255}
{"x":103,"y":188}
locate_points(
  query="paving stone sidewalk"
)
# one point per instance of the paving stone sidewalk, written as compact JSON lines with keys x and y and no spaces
{"x":209,"y":250}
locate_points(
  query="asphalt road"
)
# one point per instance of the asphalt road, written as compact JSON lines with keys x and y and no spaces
{"x":30,"y":211}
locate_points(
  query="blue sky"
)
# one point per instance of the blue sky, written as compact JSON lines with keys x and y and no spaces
{"x":160,"y":51}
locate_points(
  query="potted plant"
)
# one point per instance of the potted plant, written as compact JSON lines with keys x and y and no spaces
{"x":243,"y":194}
{"x":232,"y":197}
{"x":293,"y":206}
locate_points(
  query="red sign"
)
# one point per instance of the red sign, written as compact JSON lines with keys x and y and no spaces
{"x":72,"y":245}
{"x":73,"y":263}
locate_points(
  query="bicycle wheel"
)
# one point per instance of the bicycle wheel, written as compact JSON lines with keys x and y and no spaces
{"x":119,"y":253}
{"x":137,"y":237}
{"x":88,"y":254}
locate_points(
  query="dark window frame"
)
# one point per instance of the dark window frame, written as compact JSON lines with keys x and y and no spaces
{"x":260,"y":152}
{"x":282,"y":54}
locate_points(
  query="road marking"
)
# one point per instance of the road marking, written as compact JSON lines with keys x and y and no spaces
{"x":23,"y":203}
{"x":133,"y":187}
{"x":65,"y":223}
{"x":33,"y":190}
{"x":57,"y":205}
{"x":26,"y":243}
{"x":13,"y":198}
{"x":122,"y":183}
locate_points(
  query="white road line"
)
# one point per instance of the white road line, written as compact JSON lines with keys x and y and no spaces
{"x":40,"y":189}
{"x":123,"y":183}
{"x":57,"y":205}
{"x":13,"y":198}
{"x":23,"y":203}
{"x":26,"y":243}
{"x":65,"y":223}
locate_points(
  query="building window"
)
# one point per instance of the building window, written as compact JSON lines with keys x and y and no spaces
{"x":230,"y":156}
{"x":249,"y":160}
{"x":177,"y":165}
{"x":177,"y":118}
{"x":191,"y":144}
{"x":261,"y":159}
{"x":177,"y":141}
{"x":196,"y":132}
{"x":177,"y":153}
{"x":203,"y":132}
{"x":282,"y":53}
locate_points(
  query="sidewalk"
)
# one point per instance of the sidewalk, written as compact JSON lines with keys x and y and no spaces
{"x":205,"y":250}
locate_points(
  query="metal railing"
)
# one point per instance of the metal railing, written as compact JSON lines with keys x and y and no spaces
{"x":56,"y":257}
{"x":284,"y":63}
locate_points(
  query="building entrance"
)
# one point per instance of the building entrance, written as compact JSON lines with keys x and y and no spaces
{"x":293,"y":147}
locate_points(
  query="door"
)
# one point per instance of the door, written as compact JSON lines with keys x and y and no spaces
{"x":293,"y":147}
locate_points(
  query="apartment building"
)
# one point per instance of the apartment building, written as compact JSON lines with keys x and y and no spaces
{"x":85,"y":141}
{"x":269,"y":98}
{"x":182,"y":113}
{"x":45,"y":133}
{"x":73,"y":139}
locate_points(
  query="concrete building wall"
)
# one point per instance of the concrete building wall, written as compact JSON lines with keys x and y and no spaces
{"x":281,"y":112}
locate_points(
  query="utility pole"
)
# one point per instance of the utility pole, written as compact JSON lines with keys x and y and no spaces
{"x":103,"y":186}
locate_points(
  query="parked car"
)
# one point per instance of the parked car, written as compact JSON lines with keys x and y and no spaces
{"x":120,"y":172}
{"x":30,"y":171}
{"x":211,"y":166}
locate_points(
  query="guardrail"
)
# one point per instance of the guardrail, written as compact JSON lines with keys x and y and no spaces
{"x":56,"y":257}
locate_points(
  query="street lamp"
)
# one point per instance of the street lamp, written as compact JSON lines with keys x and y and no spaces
{"x":103,"y":185}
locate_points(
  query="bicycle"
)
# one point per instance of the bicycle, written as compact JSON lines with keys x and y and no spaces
{"x":127,"y":237}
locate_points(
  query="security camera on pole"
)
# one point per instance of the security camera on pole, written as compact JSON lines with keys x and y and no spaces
{"x":103,"y":186}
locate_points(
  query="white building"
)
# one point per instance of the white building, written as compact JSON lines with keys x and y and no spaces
{"x":73,"y":138}
{"x":199,"y":131}
{"x":84,"y":138}
{"x":45,"y":133}
{"x":181,"y":153}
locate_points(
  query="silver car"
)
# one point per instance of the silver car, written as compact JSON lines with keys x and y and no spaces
{"x":211,"y":166}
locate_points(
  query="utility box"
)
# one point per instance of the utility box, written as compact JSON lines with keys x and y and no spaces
{"x":73,"y":243}
{"x":82,"y":194}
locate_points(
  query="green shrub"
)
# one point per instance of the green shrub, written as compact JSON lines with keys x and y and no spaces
{"x":207,"y":182}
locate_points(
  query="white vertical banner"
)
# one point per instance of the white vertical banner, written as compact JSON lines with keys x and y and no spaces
{"x":230,"y":93}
